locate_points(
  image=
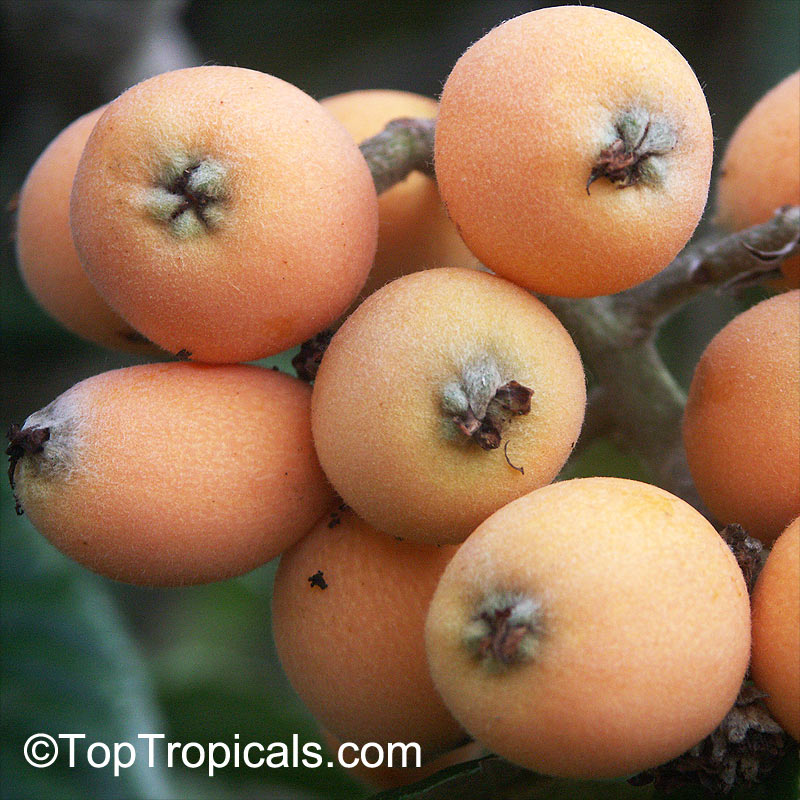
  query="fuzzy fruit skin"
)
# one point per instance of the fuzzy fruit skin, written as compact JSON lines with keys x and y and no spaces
{"x":354,"y":651}
{"x":645,"y":629}
{"x":741,"y":428}
{"x":176,"y":473}
{"x":775,"y":664}
{"x":414,"y":231}
{"x":376,"y":406}
{"x":296,"y":229}
{"x":46,"y":256}
{"x":523,"y":117}
{"x":761,"y":166}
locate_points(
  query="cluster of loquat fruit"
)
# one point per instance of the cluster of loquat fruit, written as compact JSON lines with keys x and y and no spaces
{"x":435,"y":584}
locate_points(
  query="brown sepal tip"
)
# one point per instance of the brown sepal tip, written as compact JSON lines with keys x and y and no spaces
{"x":306,"y":362}
{"x":503,"y":640}
{"x":22,"y":442}
{"x":512,"y":397}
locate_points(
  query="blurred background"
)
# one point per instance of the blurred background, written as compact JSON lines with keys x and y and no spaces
{"x":80,"y":653}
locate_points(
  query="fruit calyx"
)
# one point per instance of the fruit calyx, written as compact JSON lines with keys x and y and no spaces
{"x":633,"y":154}
{"x":480,"y":403}
{"x":505,"y":630}
{"x":744,"y":748}
{"x":23,"y":441}
{"x":306,"y":362}
{"x":188,"y":196}
{"x":750,"y":553}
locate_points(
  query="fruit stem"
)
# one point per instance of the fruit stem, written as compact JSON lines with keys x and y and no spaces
{"x":616,"y":338}
{"x":643,"y":399}
{"x":403,"y":146}
{"x":734,"y":261}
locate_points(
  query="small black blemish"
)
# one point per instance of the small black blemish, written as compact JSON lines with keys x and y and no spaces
{"x":317,"y":580}
{"x":183,"y":355}
{"x":336,"y":517}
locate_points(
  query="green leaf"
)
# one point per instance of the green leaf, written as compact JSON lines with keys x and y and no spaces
{"x":69,"y":666}
{"x":491,"y":777}
{"x":281,"y":361}
{"x":603,"y":457}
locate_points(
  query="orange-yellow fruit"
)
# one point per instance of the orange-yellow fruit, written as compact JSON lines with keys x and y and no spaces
{"x":390,"y":777}
{"x":223,"y":212}
{"x":354,"y":650}
{"x":775,"y":664}
{"x":591,"y":629}
{"x":46,"y":255}
{"x":414,"y":231}
{"x":741,"y":427}
{"x":761,"y":167}
{"x":550,"y":102}
{"x":169,"y":474}
{"x":420,"y":363}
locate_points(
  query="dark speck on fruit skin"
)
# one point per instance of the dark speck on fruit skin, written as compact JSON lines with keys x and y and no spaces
{"x":317,"y":580}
